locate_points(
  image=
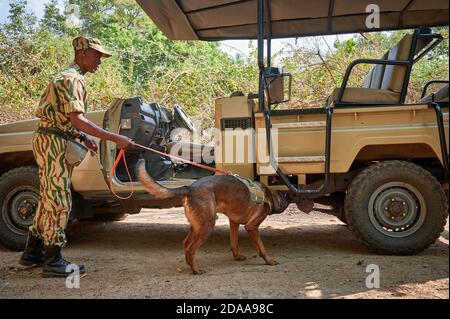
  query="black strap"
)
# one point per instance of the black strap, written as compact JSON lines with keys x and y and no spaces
{"x":55,"y":131}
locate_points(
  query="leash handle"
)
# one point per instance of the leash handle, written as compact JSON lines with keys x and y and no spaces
{"x":121,"y":154}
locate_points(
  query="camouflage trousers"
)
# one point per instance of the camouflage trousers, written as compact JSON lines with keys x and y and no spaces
{"x":55,"y":198}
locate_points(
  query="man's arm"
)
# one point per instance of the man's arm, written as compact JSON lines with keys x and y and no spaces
{"x":83,"y":124}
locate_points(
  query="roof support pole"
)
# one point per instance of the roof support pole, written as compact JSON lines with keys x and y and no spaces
{"x":261,"y":54}
{"x":269,"y":33}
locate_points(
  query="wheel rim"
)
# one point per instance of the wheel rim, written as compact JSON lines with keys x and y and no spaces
{"x":397,"y":209}
{"x":19,"y":209}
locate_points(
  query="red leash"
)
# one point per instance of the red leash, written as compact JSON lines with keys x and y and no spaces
{"x":122,"y":154}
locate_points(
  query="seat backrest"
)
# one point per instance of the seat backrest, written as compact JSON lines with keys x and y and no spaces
{"x":394,"y":75}
{"x":440,"y":96}
{"x":391,"y":77}
{"x":378,"y":74}
{"x":368,"y":79}
{"x":375,"y":77}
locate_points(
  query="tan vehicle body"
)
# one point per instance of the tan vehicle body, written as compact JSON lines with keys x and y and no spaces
{"x":359,"y":134}
{"x":89,"y":178}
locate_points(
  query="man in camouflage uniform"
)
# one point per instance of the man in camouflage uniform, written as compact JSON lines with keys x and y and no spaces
{"x":61,"y":110}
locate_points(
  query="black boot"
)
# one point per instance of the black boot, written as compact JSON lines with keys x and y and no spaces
{"x":33,"y":255}
{"x":55,"y":265}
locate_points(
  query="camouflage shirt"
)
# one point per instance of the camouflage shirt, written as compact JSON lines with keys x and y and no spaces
{"x":66,"y":93}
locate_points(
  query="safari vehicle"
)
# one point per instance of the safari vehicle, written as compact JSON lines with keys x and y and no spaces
{"x":381,"y":163}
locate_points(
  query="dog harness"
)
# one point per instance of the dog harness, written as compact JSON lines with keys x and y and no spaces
{"x":257,"y":195}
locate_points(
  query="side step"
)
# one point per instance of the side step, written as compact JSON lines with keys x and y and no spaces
{"x":301,"y":159}
{"x":314,"y":124}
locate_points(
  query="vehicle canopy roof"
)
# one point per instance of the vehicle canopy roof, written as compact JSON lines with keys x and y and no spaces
{"x":237,"y":19}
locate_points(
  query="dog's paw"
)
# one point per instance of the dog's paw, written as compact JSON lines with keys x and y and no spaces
{"x":272,"y":262}
{"x":198,"y":272}
{"x":240,"y":258}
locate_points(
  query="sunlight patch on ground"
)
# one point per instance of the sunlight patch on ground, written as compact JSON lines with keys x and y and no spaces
{"x":406,"y":291}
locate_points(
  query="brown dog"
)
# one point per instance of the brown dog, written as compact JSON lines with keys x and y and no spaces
{"x":210,"y":195}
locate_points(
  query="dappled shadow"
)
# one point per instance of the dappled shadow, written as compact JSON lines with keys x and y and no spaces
{"x":163,"y":236}
{"x":316,"y":261}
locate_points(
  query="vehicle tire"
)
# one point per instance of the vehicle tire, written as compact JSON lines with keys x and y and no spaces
{"x":19,"y":196}
{"x":396,"y":207}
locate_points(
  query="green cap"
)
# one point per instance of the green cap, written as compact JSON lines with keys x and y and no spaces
{"x":81,"y":43}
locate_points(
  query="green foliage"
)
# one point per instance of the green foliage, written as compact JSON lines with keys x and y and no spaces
{"x":27,"y":58}
{"x":192,"y":74}
{"x":144,"y":63}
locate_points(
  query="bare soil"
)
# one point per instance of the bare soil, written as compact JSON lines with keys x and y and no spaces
{"x":142,"y":257}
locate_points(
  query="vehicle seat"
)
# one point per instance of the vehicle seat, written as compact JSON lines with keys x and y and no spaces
{"x":383,"y":84}
{"x":440,"y":96}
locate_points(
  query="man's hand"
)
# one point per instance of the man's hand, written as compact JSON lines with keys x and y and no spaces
{"x":124,"y":142}
{"x":90,"y":144}
{"x":82,"y":124}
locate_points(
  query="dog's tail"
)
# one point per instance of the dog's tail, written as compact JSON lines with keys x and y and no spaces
{"x":157,"y":190}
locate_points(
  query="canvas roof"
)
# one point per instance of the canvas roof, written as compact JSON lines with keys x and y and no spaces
{"x":237,"y":19}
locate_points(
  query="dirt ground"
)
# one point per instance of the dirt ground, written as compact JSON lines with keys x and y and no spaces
{"x":142,"y":257}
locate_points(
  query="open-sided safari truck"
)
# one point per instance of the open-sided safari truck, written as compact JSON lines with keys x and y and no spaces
{"x":384,"y":163}
{"x":381,"y":163}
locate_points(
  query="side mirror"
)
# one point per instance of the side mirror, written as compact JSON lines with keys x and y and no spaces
{"x":275,"y":81}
